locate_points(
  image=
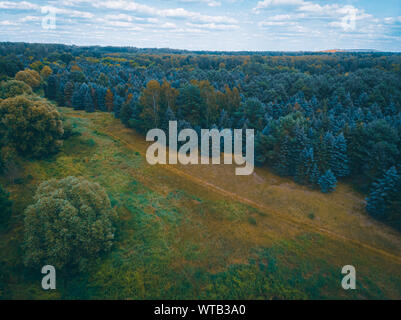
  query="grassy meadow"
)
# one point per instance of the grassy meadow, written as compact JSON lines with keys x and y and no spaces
{"x":189,"y":232}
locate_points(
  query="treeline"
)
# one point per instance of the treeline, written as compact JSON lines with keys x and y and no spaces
{"x":318,"y":117}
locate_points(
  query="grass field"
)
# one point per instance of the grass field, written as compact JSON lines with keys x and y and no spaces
{"x":188,"y":232}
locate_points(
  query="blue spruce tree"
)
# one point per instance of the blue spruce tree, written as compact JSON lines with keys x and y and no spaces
{"x":283,"y":161}
{"x":305,"y":166}
{"x":299,"y":144}
{"x":339,"y":159}
{"x":327,"y":148}
{"x":327,"y":182}
{"x":383,"y":192}
{"x":314,"y":175}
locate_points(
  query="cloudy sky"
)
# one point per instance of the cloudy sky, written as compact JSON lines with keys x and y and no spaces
{"x":207,"y":24}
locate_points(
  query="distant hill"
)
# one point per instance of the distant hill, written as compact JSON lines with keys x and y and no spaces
{"x":350,"y":50}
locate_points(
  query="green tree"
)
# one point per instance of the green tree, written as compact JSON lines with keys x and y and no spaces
{"x":12,"y":88}
{"x":68,"y":92}
{"x":5,"y":207}
{"x":149,"y":102}
{"x":69,"y":225}
{"x":327,"y":182}
{"x":32,"y":126}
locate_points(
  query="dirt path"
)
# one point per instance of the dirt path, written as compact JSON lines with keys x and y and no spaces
{"x":307,"y":226}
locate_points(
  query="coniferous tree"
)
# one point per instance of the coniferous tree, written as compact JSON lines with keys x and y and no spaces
{"x":339,"y":159}
{"x":305,"y":166}
{"x":327,"y":182}
{"x":314,"y":175}
{"x":284,"y":160}
{"x":299,"y":145}
{"x":384,"y":194}
{"x":68,"y":92}
{"x":261,"y":149}
{"x":326,"y":152}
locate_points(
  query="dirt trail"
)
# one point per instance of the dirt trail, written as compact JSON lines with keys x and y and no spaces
{"x":264,"y":208}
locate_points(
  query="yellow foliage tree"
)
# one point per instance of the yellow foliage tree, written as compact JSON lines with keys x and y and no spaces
{"x":46,"y":72}
{"x":109,"y":100}
{"x":30,"y":77}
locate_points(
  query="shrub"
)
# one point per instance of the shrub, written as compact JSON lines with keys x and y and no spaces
{"x":12,"y":88}
{"x":32,"y":126}
{"x":70,"y":224}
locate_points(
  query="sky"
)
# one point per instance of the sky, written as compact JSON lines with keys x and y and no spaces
{"x":224,"y":25}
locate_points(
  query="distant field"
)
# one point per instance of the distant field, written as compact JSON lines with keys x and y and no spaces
{"x":189,"y":232}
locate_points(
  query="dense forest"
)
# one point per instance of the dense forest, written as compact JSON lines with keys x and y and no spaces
{"x":319,"y":118}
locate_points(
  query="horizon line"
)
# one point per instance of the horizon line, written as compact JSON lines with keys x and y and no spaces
{"x":332,"y":50}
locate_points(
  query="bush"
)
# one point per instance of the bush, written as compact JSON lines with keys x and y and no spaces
{"x":32,"y":126}
{"x":69,"y":130}
{"x":12,"y":88}
{"x":30,"y":77}
{"x":70,"y":224}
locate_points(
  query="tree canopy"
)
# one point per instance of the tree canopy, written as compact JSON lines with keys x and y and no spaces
{"x":31,"y":125}
{"x":69,"y":224}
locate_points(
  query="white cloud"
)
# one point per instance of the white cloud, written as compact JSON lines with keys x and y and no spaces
{"x":107,"y":22}
{"x":7,"y":23}
{"x":267,"y":3}
{"x":127,"y":17}
{"x":280,"y":17}
{"x":213,"y":26}
{"x":210,"y":3}
{"x":23,"y":5}
{"x":271,"y":23}
{"x":313,"y":7}
{"x":30,"y":18}
{"x":168,"y":25}
{"x":169,"y":13}
{"x":72,"y":13}
{"x":120,"y":16}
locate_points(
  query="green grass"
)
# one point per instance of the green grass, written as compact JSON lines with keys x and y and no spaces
{"x":179,"y":239}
